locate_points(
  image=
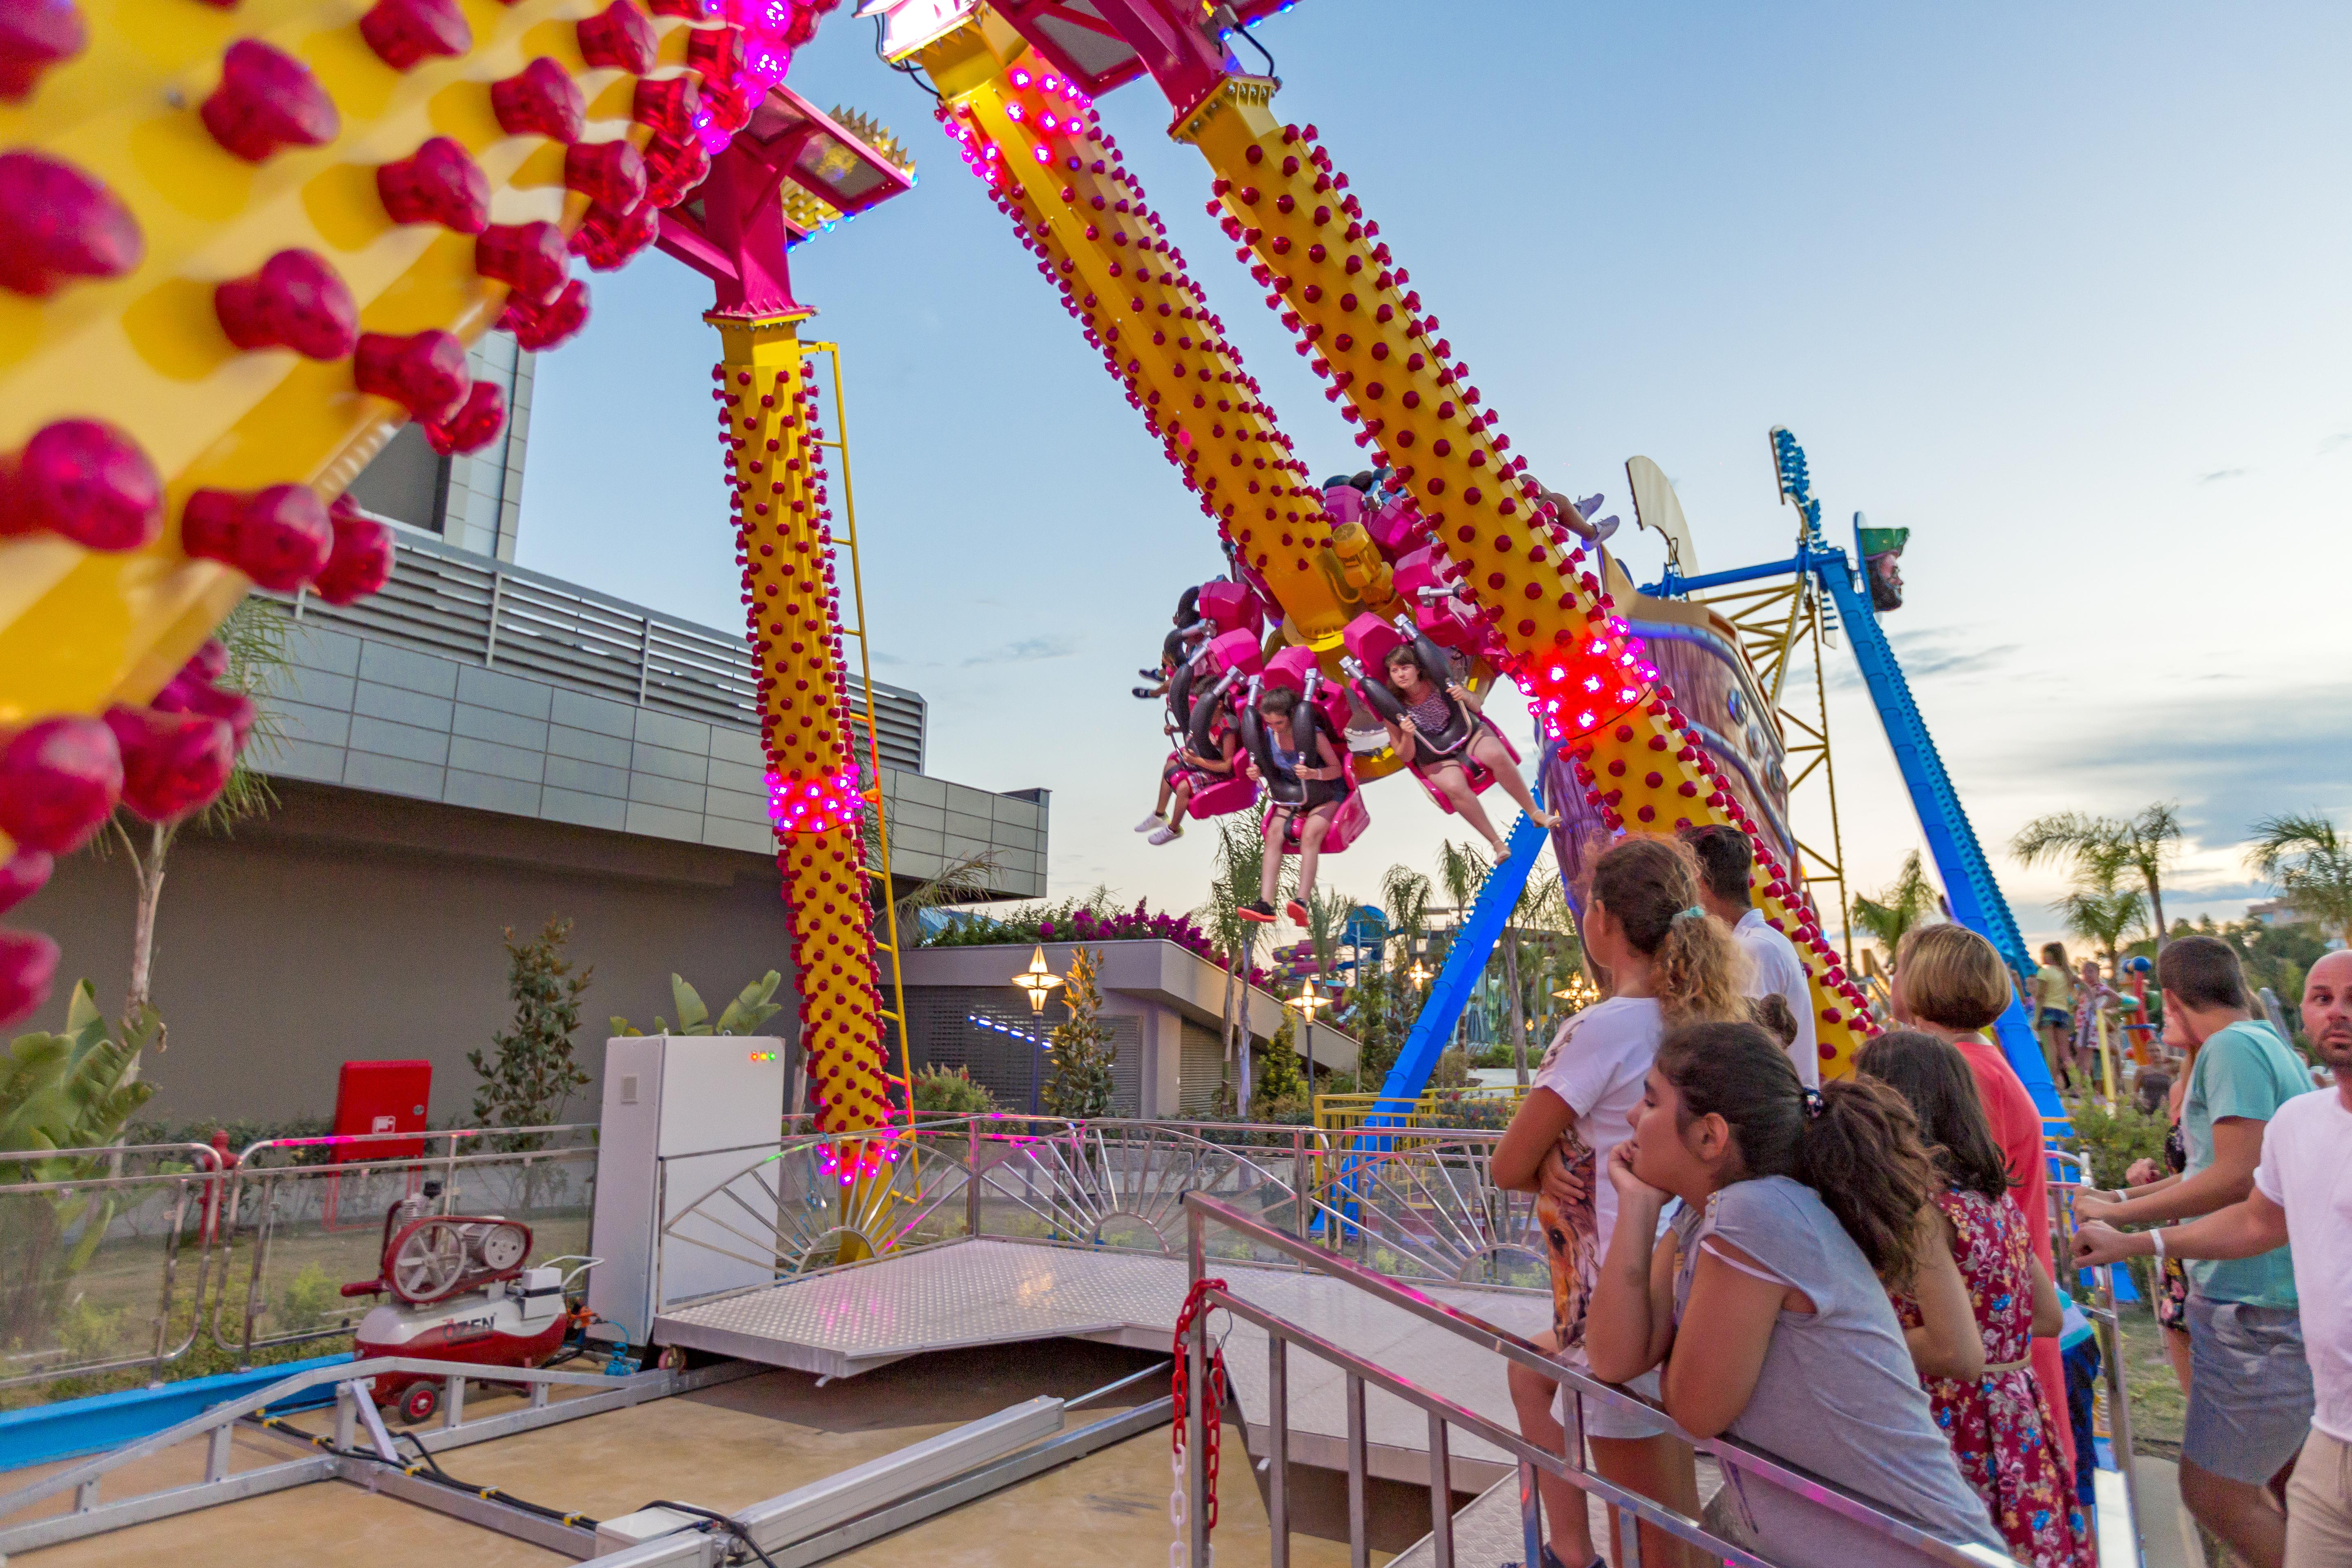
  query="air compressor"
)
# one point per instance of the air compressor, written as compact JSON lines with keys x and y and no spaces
{"x":459,"y":1292}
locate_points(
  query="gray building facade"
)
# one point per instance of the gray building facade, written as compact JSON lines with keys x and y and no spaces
{"x":477,"y":748}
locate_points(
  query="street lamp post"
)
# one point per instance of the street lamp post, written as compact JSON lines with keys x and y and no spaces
{"x":1306,"y":1001}
{"x":1037,"y":980}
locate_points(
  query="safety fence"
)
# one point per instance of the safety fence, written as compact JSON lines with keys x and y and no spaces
{"x":1420,"y":1207}
{"x":124,"y":1259}
{"x":1469,"y":1106}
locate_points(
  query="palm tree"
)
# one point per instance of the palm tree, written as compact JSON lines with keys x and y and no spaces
{"x":2102,"y":909}
{"x":2144,"y":843}
{"x":1910,"y":901}
{"x":1461,"y":871}
{"x":2302,"y":852}
{"x":1405,"y":898}
{"x":1241,"y":859}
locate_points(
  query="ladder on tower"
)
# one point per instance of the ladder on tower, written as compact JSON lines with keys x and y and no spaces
{"x":878,"y":860}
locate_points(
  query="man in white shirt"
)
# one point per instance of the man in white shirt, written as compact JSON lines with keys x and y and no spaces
{"x":2302,"y":1195}
{"x":1725,"y":859}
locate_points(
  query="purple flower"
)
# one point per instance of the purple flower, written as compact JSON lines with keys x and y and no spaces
{"x":1045,"y":929}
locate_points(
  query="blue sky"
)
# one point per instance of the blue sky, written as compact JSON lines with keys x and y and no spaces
{"x":2064,"y":294}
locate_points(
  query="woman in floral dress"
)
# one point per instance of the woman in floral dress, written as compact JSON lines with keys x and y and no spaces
{"x":2001,"y":1429}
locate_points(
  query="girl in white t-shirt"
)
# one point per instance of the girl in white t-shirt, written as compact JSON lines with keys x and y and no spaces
{"x":1667,"y":964}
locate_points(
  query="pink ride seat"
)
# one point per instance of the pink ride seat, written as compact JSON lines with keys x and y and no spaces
{"x":1348,"y":823}
{"x":1214,"y":797}
{"x":1481,"y":775}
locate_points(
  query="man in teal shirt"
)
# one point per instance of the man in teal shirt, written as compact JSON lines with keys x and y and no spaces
{"x":2250,"y":1394}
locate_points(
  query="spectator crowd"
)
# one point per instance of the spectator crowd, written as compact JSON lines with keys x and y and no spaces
{"x":1858,"y":1277}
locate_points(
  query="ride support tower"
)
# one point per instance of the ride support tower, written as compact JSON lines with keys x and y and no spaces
{"x":1349,"y":302}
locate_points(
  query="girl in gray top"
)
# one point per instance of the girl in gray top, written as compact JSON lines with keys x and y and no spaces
{"x":1766,"y":1302}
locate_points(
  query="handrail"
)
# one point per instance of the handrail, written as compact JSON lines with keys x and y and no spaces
{"x":1503,"y":1342}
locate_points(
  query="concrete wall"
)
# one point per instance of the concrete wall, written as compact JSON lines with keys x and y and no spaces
{"x":357,"y":925}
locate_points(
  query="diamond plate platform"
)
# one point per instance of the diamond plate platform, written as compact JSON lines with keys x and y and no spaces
{"x":988,"y":1291}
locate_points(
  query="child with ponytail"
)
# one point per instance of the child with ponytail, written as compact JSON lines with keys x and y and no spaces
{"x":1667,"y":966}
{"x":1765,"y":1308}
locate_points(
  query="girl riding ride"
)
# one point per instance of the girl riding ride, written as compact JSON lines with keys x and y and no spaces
{"x":1667,"y":965}
{"x":1292,"y":754}
{"x":1436,"y":727}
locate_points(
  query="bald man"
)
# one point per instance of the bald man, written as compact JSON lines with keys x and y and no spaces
{"x":2302,"y":1196}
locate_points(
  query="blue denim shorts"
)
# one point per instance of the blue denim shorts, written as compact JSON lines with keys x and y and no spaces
{"x":2249,"y":1397}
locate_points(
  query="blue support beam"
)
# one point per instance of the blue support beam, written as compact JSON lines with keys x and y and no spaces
{"x":1466,"y":961}
{"x":1960,"y":864}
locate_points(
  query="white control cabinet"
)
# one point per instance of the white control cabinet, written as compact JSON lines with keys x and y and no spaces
{"x":684,"y":1114}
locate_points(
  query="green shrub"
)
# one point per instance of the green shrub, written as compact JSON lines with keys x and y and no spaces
{"x":309,"y":1300}
{"x":2112,"y":1140}
{"x":950,"y":1091}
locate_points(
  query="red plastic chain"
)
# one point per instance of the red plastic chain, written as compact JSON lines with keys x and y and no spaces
{"x":1212,"y":1405}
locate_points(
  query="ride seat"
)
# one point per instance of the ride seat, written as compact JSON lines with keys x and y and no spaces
{"x":1348,"y":823}
{"x":1215,"y":796}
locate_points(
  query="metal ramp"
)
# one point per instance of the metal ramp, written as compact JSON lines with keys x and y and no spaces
{"x":987,"y":1291}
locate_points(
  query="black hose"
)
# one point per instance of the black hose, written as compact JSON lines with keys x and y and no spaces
{"x":910,"y":70}
{"x":720,"y":1519}
{"x":1243,"y":29}
{"x":427,"y":1468}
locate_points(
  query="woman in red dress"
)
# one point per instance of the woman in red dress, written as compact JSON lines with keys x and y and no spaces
{"x":2003,"y":1432}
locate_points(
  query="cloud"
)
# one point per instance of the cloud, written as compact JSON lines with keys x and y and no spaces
{"x":2220,"y":474}
{"x":2341,"y":438}
{"x":1929,"y":653}
{"x":1027,"y":650}
{"x":2228,"y":758}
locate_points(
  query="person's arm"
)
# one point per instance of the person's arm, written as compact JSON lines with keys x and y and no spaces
{"x":2237,"y":1150}
{"x":2048,"y":1312}
{"x":1727,"y":1327}
{"x":1467,"y":698}
{"x":1334,"y":767}
{"x":1533,"y":1132}
{"x":1629,"y":1323}
{"x":1402,"y":739}
{"x":2244,"y":1229}
{"x":1946,"y":1344}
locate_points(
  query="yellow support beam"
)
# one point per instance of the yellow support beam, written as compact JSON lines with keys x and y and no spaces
{"x":1352,"y":307}
{"x":768,"y":399}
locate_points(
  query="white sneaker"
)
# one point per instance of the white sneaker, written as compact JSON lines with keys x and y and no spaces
{"x":1167,"y":834}
{"x":1151,"y":824}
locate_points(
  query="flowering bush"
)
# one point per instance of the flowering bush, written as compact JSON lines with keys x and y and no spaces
{"x":1086,"y":920}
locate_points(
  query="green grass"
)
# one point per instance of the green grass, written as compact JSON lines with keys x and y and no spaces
{"x":2158,"y":1404}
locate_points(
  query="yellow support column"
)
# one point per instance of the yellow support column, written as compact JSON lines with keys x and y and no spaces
{"x":1033,"y":139}
{"x":768,"y":398}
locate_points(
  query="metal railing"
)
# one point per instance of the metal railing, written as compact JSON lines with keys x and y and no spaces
{"x":116,"y":1258}
{"x":1446,"y":1416}
{"x":745,"y":1217}
{"x":1473,"y":1105}
{"x":357,"y":1449}
{"x":81,"y":1231}
{"x":481,"y":610}
{"x":2109,"y":1327}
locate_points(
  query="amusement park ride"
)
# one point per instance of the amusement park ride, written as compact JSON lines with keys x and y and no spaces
{"x":242,"y":244}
